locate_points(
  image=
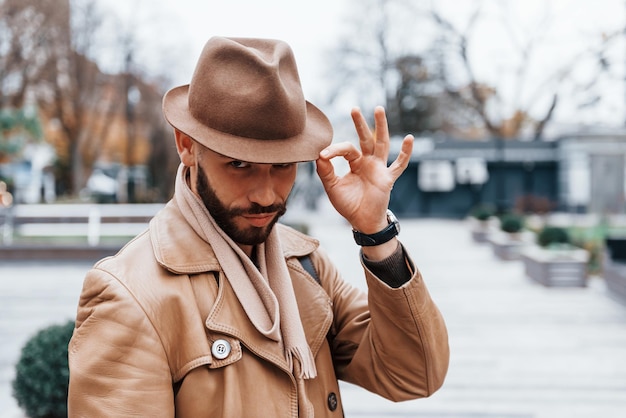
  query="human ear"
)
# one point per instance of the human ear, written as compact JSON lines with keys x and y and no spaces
{"x":185,"y":148}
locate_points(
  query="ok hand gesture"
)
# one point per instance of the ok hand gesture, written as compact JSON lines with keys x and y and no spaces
{"x":362,"y":195}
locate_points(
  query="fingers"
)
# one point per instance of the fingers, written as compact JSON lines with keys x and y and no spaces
{"x":325,"y":171}
{"x":404,"y":157}
{"x":325,"y":168}
{"x":375,"y":144}
{"x":342,"y":149}
{"x":381,"y":133}
{"x":372,"y":143}
{"x":366,"y":138}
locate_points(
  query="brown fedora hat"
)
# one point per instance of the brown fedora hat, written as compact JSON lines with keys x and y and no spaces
{"x":245,"y":101}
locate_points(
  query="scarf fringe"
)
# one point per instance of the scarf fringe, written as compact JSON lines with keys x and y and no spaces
{"x":305,"y":368}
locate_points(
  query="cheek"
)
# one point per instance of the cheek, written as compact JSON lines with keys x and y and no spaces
{"x":230,"y":192}
{"x":286,"y":183}
{"x":222,"y":187}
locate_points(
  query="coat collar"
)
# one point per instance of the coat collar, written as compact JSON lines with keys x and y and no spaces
{"x":180,"y":250}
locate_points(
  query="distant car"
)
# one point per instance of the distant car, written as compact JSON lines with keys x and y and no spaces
{"x":102,"y":187}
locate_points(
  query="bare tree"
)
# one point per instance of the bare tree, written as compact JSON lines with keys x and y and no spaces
{"x":533,"y":102}
{"x":84,"y":98}
{"x":516,"y":100}
{"x":24,"y":36}
{"x":46,"y":60}
{"x":364,"y":63}
{"x":412,"y":106}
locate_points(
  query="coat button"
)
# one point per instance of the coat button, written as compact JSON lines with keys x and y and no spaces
{"x":220,"y":349}
{"x":332,"y":401}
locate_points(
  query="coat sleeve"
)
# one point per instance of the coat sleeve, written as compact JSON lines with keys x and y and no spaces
{"x":392,"y":342}
{"x":117,"y":364}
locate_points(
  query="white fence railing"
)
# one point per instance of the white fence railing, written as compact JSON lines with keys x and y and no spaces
{"x":92,"y":221}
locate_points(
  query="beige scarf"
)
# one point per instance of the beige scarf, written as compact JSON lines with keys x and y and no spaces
{"x":266,"y":293}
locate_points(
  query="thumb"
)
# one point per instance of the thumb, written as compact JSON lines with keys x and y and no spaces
{"x":325,"y":170}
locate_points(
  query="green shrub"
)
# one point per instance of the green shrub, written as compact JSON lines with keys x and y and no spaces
{"x":551,"y":235}
{"x":482,"y":212}
{"x":42,"y":373}
{"x":512,"y":223}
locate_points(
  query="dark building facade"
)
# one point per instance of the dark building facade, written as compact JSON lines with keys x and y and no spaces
{"x":450,"y":178}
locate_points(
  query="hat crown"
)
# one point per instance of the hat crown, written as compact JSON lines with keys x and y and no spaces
{"x":245,"y":101}
{"x":248,"y":88}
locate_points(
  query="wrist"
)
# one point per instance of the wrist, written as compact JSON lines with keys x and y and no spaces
{"x":373,"y":228}
{"x":380,"y":252}
{"x":389,"y":231}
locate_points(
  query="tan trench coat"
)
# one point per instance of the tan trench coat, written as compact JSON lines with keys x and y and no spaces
{"x":149,"y":317}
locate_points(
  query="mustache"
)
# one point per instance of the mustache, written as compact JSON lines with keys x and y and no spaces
{"x":256,"y":209}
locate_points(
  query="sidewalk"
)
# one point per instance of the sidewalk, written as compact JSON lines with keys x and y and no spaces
{"x":32,"y":295}
{"x":518,"y":349}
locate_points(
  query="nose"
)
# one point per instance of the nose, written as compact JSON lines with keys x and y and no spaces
{"x":262,"y":190}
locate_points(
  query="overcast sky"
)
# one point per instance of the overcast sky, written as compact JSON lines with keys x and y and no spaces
{"x":181,"y":27}
{"x":185,"y":26}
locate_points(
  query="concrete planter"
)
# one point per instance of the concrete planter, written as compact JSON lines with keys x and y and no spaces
{"x":615,"y":278}
{"x":556,"y":267}
{"x":482,"y":230}
{"x":480,"y":235}
{"x":508,"y":246}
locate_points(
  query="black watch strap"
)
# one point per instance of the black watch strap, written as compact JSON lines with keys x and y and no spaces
{"x":381,"y":237}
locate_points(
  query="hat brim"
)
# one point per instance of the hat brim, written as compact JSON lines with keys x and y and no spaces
{"x":306,"y":146}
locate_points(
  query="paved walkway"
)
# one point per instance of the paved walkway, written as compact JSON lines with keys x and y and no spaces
{"x":518,"y":349}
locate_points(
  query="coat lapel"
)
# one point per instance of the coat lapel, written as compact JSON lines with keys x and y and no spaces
{"x":172,"y":238}
{"x":228,"y":316}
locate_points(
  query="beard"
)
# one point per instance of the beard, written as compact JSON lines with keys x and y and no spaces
{"x":225,"y":217}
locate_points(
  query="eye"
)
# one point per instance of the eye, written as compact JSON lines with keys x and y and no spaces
{"x":284,"y":166}
{"x":239,"y":164}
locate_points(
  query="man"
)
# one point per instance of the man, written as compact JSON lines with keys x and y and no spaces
{"x":210,"y":312}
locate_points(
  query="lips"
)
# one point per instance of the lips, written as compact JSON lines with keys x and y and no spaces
{"x":260,"y":220}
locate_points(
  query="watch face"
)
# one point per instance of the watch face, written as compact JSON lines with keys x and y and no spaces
{"x":391,"y":217}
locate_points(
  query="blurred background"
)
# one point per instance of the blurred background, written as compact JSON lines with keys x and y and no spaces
{"x":512,"y":103}
{"x":519,"y":112}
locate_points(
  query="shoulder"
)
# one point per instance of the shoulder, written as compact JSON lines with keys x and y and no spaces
{"x":135,"y":257}
{"x":296,"y":243}
{"x":134,"y":274}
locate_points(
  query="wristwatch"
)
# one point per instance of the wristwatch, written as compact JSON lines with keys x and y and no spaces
{"x":369,"y":240}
